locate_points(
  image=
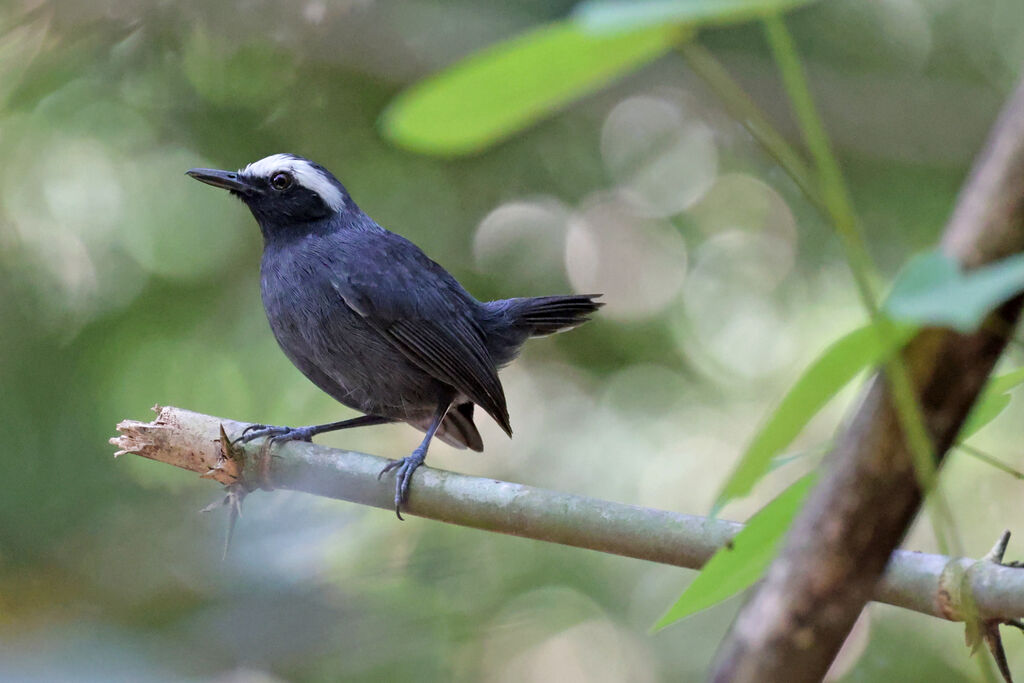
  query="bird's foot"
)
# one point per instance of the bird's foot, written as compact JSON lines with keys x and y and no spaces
{"x":275,"y":433}
{"x":403,"y":477}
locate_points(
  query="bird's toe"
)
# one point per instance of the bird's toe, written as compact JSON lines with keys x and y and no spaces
{"x":403,"y":477}
{"x":249,"y":433}
{"x":276,"y":434}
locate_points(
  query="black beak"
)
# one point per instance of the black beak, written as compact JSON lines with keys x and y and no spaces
{"x":227,"y":180}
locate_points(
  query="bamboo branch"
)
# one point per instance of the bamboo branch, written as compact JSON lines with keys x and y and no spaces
{"x":867,"y":492}
{"x":930,"y":584}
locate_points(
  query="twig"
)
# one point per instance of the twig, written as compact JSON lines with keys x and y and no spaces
{"x":916,"y":581}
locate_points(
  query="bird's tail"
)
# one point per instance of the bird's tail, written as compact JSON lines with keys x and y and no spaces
{"x":542,"y":315}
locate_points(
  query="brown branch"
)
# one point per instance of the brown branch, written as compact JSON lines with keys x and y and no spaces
{"x":867,"y":493}
{"x":931,"y":584}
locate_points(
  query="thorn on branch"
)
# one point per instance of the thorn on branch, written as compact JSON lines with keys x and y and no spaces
{"x":978,"y":630}
{"x":999,"y":549}
{"x":233,"y":497}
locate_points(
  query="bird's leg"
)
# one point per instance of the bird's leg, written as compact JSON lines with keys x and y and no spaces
{"x":306,"y":433}
{"x":407,"y":465}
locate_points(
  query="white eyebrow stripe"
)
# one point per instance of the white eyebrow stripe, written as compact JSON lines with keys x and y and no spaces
{"x":305,"y":174}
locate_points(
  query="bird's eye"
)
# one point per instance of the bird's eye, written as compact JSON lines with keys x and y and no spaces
{"x":281,"y":181}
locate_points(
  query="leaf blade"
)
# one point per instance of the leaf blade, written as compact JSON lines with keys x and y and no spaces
{"x":993,"y":401}
{"x":984,"y":411}
{"x":600,"y":16}
{"x":496,"y":92}
{"x":822,"y":380}
{"x":932,"y":290}
{"x":736,"y":568}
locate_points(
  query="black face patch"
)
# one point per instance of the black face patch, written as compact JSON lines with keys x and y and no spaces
{"x":295,"y":203}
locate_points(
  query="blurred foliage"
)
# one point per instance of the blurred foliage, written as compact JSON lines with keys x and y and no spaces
{"x":844,"y":359}
{"x":123,"y":284}
{"x":616,"y":15}
{"x":994,"y":399}
{"x":933,"y":290}
{"x":740,"y":564}
{"x":497,"y":92}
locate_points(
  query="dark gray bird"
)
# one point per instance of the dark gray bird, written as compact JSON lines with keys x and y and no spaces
{"x":369,"y":319}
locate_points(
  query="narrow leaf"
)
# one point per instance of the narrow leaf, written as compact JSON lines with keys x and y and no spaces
{"x":737,"y":566}
{"x":833,"y":370}
{"x":993,"y":400}
{"x":932,"y":290}
{"x":984,"y":411}
{"x":507,"y":87}
{"x":600,"y":16}
{"x":1005,"y":382}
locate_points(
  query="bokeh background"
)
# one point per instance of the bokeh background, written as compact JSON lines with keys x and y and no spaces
{"x":124,"y":284}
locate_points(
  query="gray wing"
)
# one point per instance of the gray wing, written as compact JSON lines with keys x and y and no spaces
{"x":418,"y":307}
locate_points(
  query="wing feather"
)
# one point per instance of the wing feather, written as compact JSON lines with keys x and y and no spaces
{"x":425,"y":313}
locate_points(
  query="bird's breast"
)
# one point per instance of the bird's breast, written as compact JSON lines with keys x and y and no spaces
{"x":333,"y":345}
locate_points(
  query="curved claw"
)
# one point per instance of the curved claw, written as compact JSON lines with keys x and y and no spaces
{"x":244,"y":438}
{"x":403,"y":477}
{"x":276,"y":434}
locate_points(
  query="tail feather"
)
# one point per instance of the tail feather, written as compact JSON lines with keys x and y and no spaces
{"x":544,"y":315}
{"x":457,"y":429}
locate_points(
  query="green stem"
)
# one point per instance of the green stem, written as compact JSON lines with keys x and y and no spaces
{"x":988,"y":459}
{"x":833,"y":188}
{"x":743,"y":109}
{"x":840,"y":210}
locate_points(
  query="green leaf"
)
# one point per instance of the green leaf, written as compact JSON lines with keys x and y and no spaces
{"x":840,"y":363}
{"x":507,"y":87}
{"x":932,"y":290}
{"x":993,"y":400}
{"x":984,"y":411}
{"x":602,"y":16}
{"x":1005,"y":382}
{"x":738,"y":565}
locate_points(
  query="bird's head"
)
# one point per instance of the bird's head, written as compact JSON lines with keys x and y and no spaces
{"x":283,"y":191}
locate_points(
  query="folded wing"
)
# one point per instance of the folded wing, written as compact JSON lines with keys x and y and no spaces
{"x":428,"y":317}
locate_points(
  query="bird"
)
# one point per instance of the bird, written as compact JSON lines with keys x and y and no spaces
{"x":372,"y":321}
